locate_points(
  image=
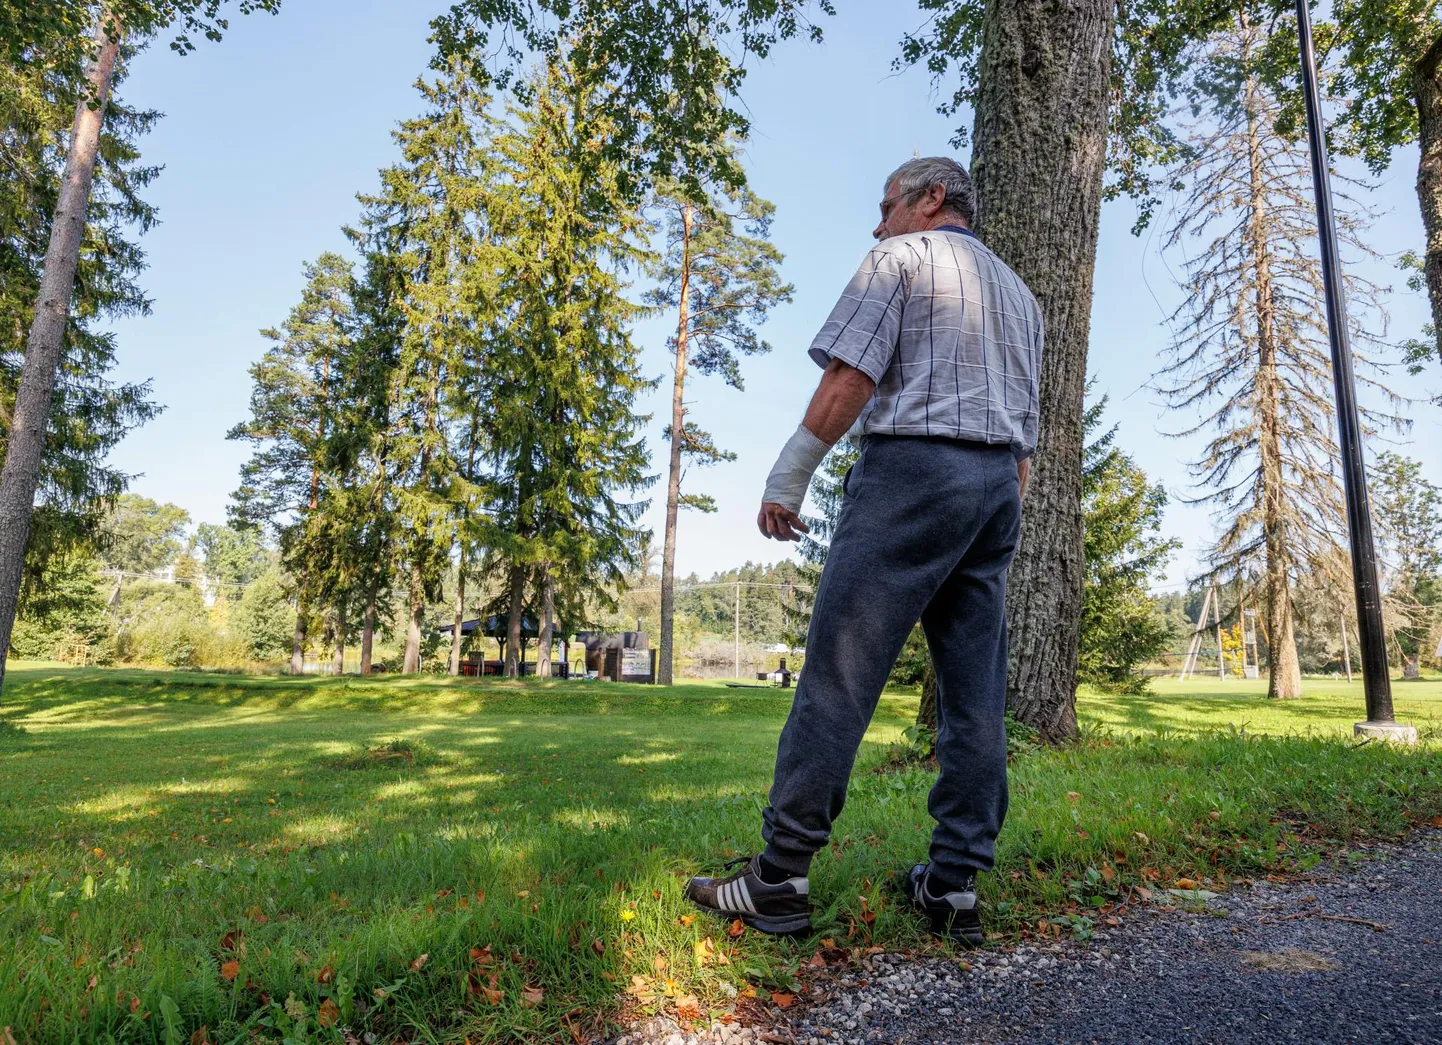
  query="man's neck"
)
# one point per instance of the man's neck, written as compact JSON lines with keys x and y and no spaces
{"x":944,"y":218}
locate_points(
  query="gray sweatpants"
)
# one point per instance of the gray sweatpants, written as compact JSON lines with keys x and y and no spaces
{"x":927,"y":530}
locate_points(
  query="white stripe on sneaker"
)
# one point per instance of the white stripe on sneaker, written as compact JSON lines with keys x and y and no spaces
{"x":745,"y":895}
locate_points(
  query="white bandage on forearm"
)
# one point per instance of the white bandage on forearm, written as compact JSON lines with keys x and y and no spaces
{"x":791,"y":477}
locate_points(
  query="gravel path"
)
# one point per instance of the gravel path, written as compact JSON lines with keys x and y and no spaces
{"x":1350,"y":955}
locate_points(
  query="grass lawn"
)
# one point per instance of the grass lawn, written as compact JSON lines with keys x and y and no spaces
{"x":428,"y":860}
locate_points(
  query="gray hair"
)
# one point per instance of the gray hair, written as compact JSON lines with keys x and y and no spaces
{"x":916,"y":175}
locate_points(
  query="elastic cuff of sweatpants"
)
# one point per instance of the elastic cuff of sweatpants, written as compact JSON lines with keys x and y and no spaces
{"x":793,"y":862}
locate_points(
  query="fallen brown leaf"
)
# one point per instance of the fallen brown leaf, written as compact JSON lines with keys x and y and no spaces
{"x":328,"y":1013}
{"x":531,"y":997}
{"x":230,"y":970}
{"x":420,"y":963}
{"x":782,"y":999}
{"x":737,"y":928}
{"x":598,"y":947}
{"x":201,"y":1036}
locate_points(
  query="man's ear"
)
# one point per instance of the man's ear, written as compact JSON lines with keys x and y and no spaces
{"x":935,"y":200}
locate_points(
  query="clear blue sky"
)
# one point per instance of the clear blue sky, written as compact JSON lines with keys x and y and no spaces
{"x":269,"y":135}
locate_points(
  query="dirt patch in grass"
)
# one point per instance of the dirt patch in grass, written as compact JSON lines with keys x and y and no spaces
{"x":393,"y":754}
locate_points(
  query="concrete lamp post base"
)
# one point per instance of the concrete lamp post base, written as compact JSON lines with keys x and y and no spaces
{"x":1392,"y":732}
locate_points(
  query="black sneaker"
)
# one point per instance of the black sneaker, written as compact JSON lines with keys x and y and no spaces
{"x":954,"y":915}
{"x":777,"y":909}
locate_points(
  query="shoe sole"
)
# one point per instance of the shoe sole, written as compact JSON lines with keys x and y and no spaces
{"x":793,"y":925}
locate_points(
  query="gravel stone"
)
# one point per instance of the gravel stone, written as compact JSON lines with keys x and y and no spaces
{"x":1346,"y":954}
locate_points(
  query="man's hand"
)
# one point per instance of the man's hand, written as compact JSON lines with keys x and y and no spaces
{"x":780,"y":523}
{"x":1023,"y":473}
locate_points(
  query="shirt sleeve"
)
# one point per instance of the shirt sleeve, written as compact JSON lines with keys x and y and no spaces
{"x":1026,"y":447}
{"x":863,"y":329}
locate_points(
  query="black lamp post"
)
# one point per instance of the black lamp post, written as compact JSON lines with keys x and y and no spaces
{"x":1375,"y":679}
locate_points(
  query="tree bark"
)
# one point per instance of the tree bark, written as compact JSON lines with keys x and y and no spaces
{"x":1039,"y":156}
{"x":548,"y":613}
{"x":666,"y":656}
{"x":30,"y":417}
{"x":339,"y":663}
{"x":297,"y":643}
{"x":459,"y":616}
{"x":926,"y":713}
{"x":513,"y":622}
{"x":411,"y":662}
{"x":1429,"y":175}
{"x":368,"y":630}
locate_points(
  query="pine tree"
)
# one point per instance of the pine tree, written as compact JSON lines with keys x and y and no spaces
{"x":562,"y":431}
{"x":426,"y":223}
{"x":293,"y":402}
{"x":718,"y":270}
{"x":1251,"y":342}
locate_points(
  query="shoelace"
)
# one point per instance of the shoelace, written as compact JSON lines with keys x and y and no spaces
{"x":738,"y":861}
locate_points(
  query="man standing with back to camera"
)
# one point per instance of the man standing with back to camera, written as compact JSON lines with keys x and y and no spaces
{"x":931,"y":358}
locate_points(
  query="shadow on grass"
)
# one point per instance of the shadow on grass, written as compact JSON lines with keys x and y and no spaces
{"x":147,"y":821}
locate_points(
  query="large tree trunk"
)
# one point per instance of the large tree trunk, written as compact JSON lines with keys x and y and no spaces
{"x":297,"y":643}
{"x":666,"y":656}
{"x":513,"y":621}
{"x":1038,"y":160}
{"x":1284,"y":672}
{"x":1429,"y":175}
{"x":926,"y":712}
{"x":368,"y":629}
{"x":45,"y":346}
{"x":548,"y":614}
{"x":411,"y":662}
{"x":340,"y":639}
{"x":459,"y":615}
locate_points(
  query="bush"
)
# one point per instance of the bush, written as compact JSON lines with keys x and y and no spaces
{"x":64,"y":616}
{"x":262,"y":623}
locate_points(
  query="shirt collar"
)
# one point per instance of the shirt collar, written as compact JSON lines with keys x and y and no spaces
{"x":956,"y":228}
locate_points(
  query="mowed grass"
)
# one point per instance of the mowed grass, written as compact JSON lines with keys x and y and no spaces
{"x":432,"y":860}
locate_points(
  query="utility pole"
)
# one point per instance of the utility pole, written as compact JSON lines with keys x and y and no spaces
{"x":1217,"y":618}
{"x":738,"y":629}
{"x":1376,"y":682}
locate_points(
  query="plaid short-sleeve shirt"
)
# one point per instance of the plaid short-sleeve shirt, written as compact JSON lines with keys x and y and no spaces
{"x":951,"y":336}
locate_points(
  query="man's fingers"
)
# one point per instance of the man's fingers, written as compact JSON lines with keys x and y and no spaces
{"x":780,"y":523}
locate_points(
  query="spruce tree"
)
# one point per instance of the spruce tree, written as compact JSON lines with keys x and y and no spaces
{"x":1409,"y":520}
{"x":719,"y":271}
{"x":292,"y":404}
{"x":562,"y":432}
{"x":1250,"y":348}
{"x":1120,"y":624}
{"x":424,"y":220}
